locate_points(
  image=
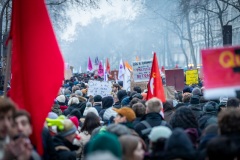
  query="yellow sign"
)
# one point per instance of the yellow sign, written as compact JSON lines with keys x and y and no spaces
{"x":192,"y":77}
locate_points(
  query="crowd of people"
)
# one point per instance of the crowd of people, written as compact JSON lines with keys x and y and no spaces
{"x":125,"y":126}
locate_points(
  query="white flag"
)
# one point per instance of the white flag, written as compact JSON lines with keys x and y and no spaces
{"x":121,"y":71}
{"x":127,"y":80}
{"x":80,"y":69}
{"x":105,"y":73}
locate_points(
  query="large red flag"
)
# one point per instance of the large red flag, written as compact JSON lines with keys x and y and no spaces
{"x":155,"y":87}
{"x":37,"y":63}
{"x":108,"y":66}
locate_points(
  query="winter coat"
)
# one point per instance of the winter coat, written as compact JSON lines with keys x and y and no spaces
{"x":168,"y":115}
{"x":117,"y":105}
{"x":56,"y":109}
{"x":70,"y":108}
{"x":64,"y":149}
{"x":49,"y":152}
{"x":153,"y":119}
{"x":98,"y":107}
{"x":197,"y":110}
{"x":136,"y":121}
{"x":108,"y":115}
{"x":207,"y":119}
{"x":85,"y":137}
{"x":63,"y":108}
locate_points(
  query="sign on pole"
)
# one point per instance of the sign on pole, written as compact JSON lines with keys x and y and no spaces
{"x":141,"y":71}
{"x":99,"y":88}
{"x":221,"y":70}
{"x":175,"y":77}
{"x":192,"y":77}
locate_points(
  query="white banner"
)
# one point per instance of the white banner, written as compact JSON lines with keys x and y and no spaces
{"x":99,"y":88}
{"x":141,"y":70}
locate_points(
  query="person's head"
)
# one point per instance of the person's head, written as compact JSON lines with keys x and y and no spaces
{"x":121,"y":95}
{"x":116,"y":87}
{"x":229,"y":121}
{"x":22,"y":120}
{"x":195,"y":99}
{"x":197,"y":91}
{"x":211,"y":107}
{"x":131,"y":147}
{"x":76,"y":113}
{"x":133,"y":101}
{"x":154,"y":105}
{"x":168,"y":106}
{"x":221,"y":148}
{"x":233,"y":102}
{"x":91,"y":122}
{"x":97,"y":98}
{"x":183,"y":118}
{"x":107,"y":102}
{"x":73,"y":101}
{"x":7,"y":110}
{"x":137,"y":89}
{"x":68,"y":131}
{"x":78,"y":93}
{"x":139,"y":109}
{"x":125,"y":114}
{"x":186,"y":97}
{"x":75,"y":88}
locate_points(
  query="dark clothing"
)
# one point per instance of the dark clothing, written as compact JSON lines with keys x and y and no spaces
{"x":136,"y":121}
{"x":206,"y":119}
{"x":197,"y":110}
{"x":98,"y":107}
{"x":168,"y":115}
{"x":117,"y":105}
{"x":70,"y":108}
{"x":153,"y":119}
{"x":64,"y":149}
{"x":49,"y":152}
{"x":63,"y":108}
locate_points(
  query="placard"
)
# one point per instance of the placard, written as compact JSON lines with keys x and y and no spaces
{"x":99,"y":88}
{"x":175,"y":77}
{"x":141,"y":71}
{"x":221,"y":70}
{"x":192,"y":77}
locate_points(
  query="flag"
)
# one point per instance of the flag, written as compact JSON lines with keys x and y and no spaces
{"x":121,"y":71}
{"x":127,"y":80}
{"x":127,"y":65}
{"x":155,"y":87}
{"x":108,"y":66}
{"x":89,"y":65}
{"x":105,"y":73}
{"x":96,"y":61}
{"x":100,"y":69}
{"x":37,"y":63}
{"x":80,"y":69}
{"x":176,"y":66}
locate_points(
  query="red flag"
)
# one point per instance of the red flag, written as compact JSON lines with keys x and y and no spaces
{"x":155,"y":87}
{"x":37,"y":63}
{"x":108,"y":66}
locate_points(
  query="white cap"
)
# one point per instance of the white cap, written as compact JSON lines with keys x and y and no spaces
{"x":159,"y":132}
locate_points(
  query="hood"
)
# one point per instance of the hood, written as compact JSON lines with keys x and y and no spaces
{"x":107,"y":102}
{"x":152,"y":116}
{"x":82,"y":99}
{"x":179,"y":146}
{"x":61,"y":141}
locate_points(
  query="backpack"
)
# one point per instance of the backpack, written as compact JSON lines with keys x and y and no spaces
{"x":148,"y":129}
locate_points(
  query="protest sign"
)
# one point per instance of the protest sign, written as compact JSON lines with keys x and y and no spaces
{"x":192,"y":77}
{"x":99,"y":88}
{"x":221,"y":70}
{"x":68,"y":74}
{"x":141,"y":71}
{"x":175,"y":78}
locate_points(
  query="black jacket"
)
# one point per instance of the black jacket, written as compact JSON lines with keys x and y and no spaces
{"x":70,"y":108}
{"x":196,"y":109}
{"x":154,"y":119}
{"x":64,"y":149}
{"x":98,"y":107}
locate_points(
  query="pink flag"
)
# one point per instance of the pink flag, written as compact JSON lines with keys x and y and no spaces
{"x":89,"y":65}
{"x":100,"y":69}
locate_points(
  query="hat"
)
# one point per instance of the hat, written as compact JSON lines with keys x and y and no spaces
{"x":118,"y":129}
{"x":52,"y":115}
{"x":75,"y":121}
{"x":113,"y":145}
{"x":121,"y":94}
{"x":187,"y":89}
{"x":159,"y":132}
{"x":97,"y":98}
{"x":127,"y":112}
{"x":107,"y":102}
{"x":79,"y":93}
{"x":125,"y":101}
{"x":194,"y":99}
{"x":197,"y":91}
{"x":90,"y":109}
{"x":61,"y":98}
{"x":211,"y":107}
{"x":73,"y":100}
{"x":67,"y":92}
{"x":76,"y":113}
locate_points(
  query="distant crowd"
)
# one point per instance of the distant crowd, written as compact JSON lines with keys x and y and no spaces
{"x":125,"y":126}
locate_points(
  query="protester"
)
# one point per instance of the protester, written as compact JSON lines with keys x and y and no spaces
{"x":132,"y":148}
{"x":97,"y":103}
{"x":56,"y":109}
{"x":168,"y":110}
{"x":62,"y":101}
{"x":233,"y":102}
{"x":139,"y":110}
{"x":107,"y":114}
{"x":73,"y":103}
{"x":195,"y":106}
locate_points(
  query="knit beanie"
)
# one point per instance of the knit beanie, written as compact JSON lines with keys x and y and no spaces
{"x":159,"y":132}
{"x":125,"y":101}
{"x":127,"y":112}
{"x":73,"y":100}
{"x":52,"y":115}
{"x":107,"y":102}
{"x":97,"y":98}
{"x":75,"y":121}
{"x":78,"y":93}
{"x":76,"y":113}
{"x":121,"y":94}
{"x":61,"y":98}
{"x":90,"y":109}
{"x":194,"y":99}
{"x":105,"y":141}
{"x":197,"y":91}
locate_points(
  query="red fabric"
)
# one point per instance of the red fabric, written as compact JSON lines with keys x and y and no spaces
{"x":63,"y":108}
{"x":108,"y":66}
{"x":75,"y":121}
{"x":155,"y":87}
{"x":37,"y":63}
